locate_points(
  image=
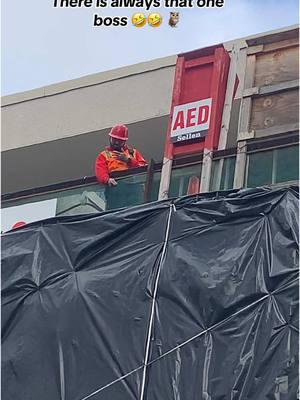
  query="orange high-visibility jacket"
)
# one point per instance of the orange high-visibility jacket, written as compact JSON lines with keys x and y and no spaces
{"x":107,"y":162}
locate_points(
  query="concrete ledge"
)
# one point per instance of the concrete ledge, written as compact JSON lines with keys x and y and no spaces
{"x":89,"y":80}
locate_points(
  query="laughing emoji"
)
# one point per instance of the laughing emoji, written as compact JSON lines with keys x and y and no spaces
{"x":154,"y":20}
{"x":138,"y":20}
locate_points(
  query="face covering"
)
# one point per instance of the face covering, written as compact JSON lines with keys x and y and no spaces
{"x":116,"y":145}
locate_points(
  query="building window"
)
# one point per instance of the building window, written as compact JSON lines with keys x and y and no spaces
{"x":272,"y":166}
{"x":222,"y":174}
{"x":154,"y":189}
{"x":180,"y":179}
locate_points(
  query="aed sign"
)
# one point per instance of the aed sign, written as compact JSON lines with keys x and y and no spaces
{"x":191,"y":121}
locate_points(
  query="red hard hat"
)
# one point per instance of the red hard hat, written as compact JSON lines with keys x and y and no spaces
{"x":18,"y":224}
{"x":119,"y":132}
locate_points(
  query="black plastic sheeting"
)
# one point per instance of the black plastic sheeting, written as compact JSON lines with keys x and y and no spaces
{"x":204,"y":288}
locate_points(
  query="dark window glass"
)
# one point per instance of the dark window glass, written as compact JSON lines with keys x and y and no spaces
{"x":153,"y":195}
{"x":260,"y":169}
{"x":273,"y":166}
{"x":180,"y":179}
{"x":222,"y":174}
{"x":287,"y":164}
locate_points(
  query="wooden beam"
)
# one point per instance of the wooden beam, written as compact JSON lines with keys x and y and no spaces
{"x":244,"y":119}
{"x":271,"y":89}
{"x":246,"y":135}
{"x":240,"y":165}
{"x":250,"y":71}
{"x":251,"y":91}
{"x":255,"y":49}
{"x":232,"y":75}
{"x":266,"y":48}
{"x":279,"y":87}
{"x":241,"y":70}
{"x":244,"y":122}
{"x":206,"y":171}
{"x":273,"y":36}
{"x":276,"y":130}
{"x":165,"y":179}
{"x":283,"y":44}
{"x":245,"y":112}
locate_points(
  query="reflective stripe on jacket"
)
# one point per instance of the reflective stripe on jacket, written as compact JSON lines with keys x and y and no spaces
{"x":107,"y":162}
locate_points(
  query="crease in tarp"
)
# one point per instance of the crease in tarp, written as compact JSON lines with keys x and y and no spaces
{"x":176,"y":379}
{"x":147,"y":350}
{"x":247,"y":355}
{"x":61,"y":372}
{"x":207,"y":361}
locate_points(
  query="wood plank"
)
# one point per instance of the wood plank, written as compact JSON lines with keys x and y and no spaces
{"x":234,"y":55}
{"x":241,"y":71}
{"x":244,"y":120}
{"x":206,"y":171}
{"x":240,"y":165}
{"x":246,"y":135}
{"x":165,"y":179}
{"x":277,"y":66}
{"x":276,"y":130}
{"x":250,"y":71}
{"x":282,"y":44}
{"x":246,"y":102}
{"x":265,"y":48}
{"x":279,"y":87}
{"x":255,"y":49}
{"x":275,"y":110}
{"x":271,"y":89}
{"x":251,"y":91}
{"x":244,"y":117}
{"x":274,"y":36}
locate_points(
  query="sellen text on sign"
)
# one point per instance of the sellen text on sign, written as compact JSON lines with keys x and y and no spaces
{"x":191,"y":120}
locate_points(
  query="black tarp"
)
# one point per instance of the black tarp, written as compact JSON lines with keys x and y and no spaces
{"x":204,"y":289}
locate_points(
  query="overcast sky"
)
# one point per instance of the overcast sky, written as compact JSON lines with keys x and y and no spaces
{"x":42,"y":45}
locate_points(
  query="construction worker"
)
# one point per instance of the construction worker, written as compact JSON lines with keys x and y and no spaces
{"x":117,"y":157}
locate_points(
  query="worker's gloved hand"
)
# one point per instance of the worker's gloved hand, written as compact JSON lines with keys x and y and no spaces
{"x":112,"y":182}
{"x":123,"y":157}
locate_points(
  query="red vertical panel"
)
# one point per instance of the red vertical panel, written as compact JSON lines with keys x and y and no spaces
{"x":175,"y":100}
{"x":196,"y":83}
{"x":218,"y":91}
{"x":199,"y":75}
